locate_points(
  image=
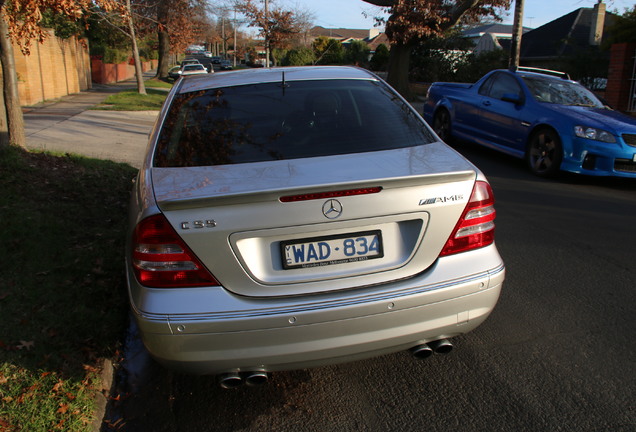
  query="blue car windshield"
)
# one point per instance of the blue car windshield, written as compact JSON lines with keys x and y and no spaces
{"x":561,"y":92}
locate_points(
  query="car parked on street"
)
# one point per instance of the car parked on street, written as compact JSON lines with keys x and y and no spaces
{"x":174,"y":72}
{"x":193,"y":69}
{"x":296,"y":217}
{"x":189,"y":61}
{"x":551,"y":121}
{"x":226,"y":65}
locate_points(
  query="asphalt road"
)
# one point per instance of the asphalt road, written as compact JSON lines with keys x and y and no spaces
{"x":556,"y":354}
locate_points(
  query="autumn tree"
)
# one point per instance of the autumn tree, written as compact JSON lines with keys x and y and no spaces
{"x":410,"y":21}
{"x":277,"y":25}
{"x":177,"y":23}
{"x":20,"y":21}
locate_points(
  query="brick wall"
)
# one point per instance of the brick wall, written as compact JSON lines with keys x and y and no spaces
{"x":59,"y":67}
{"x":619,"y":74}
{"x":55,"y":68}
{"x":106,"y":73}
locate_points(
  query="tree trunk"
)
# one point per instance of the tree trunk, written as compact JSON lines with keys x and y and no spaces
{"x":141,"y":87}
{"x":399,"y":64}
{"x":164,"y":55}
{"x":164,"y":40}
{"x":14,"y":121}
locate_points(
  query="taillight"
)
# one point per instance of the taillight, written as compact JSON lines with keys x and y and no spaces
{"x":162,"y":260}
{"x":476,"y":227}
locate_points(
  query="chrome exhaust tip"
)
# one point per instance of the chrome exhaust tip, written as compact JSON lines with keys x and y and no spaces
{"x":442,"y":346}
{"x":421,"y":352}
{"x":230,"y":380}
{"x":256,"y":378}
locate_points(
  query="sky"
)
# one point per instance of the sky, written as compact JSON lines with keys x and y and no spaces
{"x":349,"y":13}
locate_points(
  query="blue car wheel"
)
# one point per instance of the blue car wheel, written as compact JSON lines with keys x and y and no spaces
{"x":545,"y":153}
{"x":442,"y":125}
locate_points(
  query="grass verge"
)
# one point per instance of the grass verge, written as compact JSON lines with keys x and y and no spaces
{"x":131,"y":100}
{"x":158,"y":83}
{"x":63,"y":303}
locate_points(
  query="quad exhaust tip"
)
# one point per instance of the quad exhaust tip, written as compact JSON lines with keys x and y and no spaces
{"x":232,"y":380}
{"x":422,"y":351}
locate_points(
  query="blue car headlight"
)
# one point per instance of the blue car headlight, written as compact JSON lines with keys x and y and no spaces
{"x":594,"y":134}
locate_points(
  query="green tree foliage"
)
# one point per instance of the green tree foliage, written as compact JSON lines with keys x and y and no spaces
{"x":380,"y":59}
{"x":328,"y":51}
{"x":451,"y":59}
{"x":279,"y":55}
{"x":299,"y":57}
{"x":63,"y":26}
{"x":439,"y":58}
{"x":624,"y":29}
{"x":102,"y":34}
{"x":357,"y":53}
{"x":476,"y":65}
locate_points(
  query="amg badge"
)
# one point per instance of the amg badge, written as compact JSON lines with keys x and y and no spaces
{"x":437,"y":200}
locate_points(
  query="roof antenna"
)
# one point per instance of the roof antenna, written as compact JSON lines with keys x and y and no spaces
{"x":284,"y":83}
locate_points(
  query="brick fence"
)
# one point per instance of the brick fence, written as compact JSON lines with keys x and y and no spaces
{"x":55,"y":68}
{"x":59,"y":67}
{"x":105,"y":73}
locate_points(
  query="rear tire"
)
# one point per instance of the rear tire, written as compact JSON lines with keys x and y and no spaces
{"x":545,"y":153}
{"x":442,"y":125}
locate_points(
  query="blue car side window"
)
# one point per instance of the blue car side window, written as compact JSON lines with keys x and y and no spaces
{"x":504,"y":84}
{"x":485,"y":87}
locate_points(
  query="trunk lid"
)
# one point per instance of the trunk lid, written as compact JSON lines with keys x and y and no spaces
{"x":233,"y":219}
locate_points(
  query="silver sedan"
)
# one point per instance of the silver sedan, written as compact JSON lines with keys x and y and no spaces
{"x":289,"y":218}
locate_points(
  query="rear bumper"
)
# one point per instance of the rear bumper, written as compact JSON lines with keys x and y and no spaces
{"x":324,"y":332}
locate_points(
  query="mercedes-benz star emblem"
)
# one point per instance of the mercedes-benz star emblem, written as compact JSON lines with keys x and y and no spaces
{"x":332,"y":209}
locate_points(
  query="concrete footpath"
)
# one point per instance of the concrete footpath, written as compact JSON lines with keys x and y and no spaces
{"x":68,"y":125}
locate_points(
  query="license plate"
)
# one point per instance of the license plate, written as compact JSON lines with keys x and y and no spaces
{"x":330,"y":250}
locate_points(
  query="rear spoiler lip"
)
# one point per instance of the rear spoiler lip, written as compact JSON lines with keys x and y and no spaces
{"x":255,"y":196}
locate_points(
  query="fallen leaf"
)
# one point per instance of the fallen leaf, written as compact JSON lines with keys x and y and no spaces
{"x":90,"y":368}
{"x":58,"y":386}
{"x":63,"y":408}
{"x":25,"y":344}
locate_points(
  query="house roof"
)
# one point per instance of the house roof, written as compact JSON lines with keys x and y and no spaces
{"x":339,"y":33}
{"x":498,"y":30}
{"x":382,"y":38}
{"x":563,"y":35}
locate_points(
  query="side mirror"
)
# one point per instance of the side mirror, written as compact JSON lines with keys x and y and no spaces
{"x":511,"y":97}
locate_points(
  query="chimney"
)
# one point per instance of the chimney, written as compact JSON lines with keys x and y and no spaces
{"x":598,"y":22}
{"x":373,"y":33}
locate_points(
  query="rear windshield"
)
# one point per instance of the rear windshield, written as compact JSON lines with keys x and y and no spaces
{"x":264,"y":122}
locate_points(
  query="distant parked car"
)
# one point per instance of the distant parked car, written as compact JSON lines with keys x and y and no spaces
{"x":226,"y":65}
{"x":174,"y":72}
{"x":208,"y":54}
{"x":193,"y":69}
{"x":295,"y":217}
{"x":216,"y":59}
{"x":551,"y":121}
{"x":188,"y":61}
